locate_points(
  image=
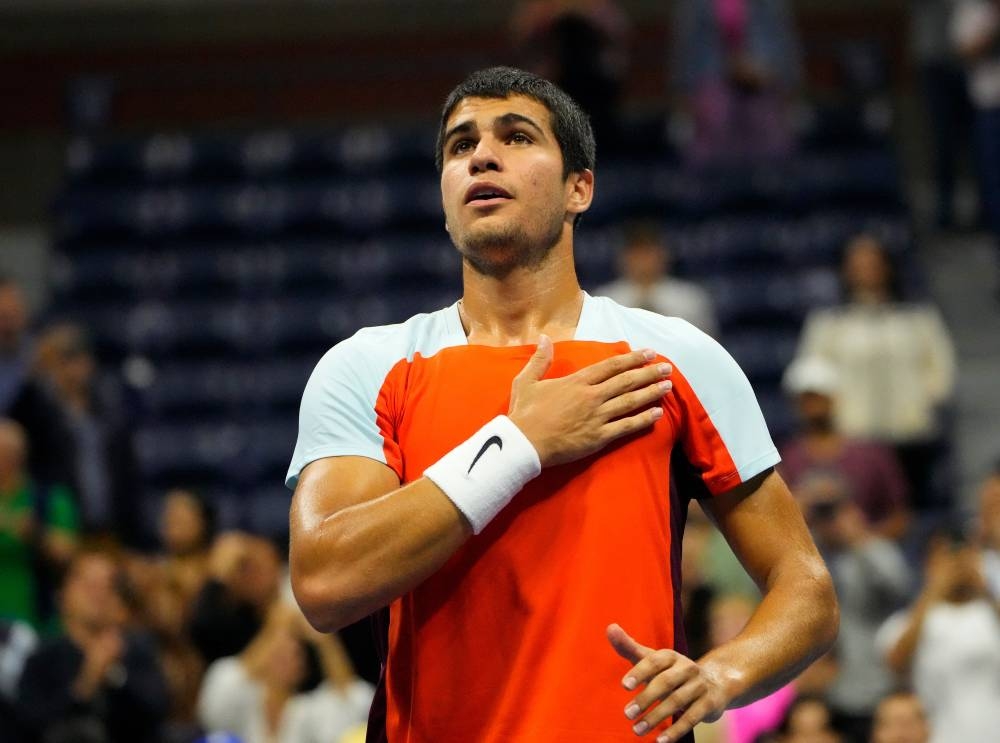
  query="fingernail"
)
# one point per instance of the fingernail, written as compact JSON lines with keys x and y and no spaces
{"x":665,"y":386}
{"x":649,"y":354}
{"x":663,"y":739}
{"x":629,"y":682}
{"x":664,"y":369}
{"x":640,"y":727}
{"x":656,"y":413}
{"x":632,"y":711}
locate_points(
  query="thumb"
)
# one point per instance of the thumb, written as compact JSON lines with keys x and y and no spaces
{"x":625,"y":646}
{"x":540,"y":360}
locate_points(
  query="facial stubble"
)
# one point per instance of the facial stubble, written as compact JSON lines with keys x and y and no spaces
{"x":497,"y":250}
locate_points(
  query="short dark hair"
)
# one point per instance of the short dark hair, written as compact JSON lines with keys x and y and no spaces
{"x":570,"y":124}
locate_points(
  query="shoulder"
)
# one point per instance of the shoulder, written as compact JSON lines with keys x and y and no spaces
{"x":426,"y":334}
{"x":367,"y":356}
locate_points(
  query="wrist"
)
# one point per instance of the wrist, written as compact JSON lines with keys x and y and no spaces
{"x":484,"y":473}
{"x":730,"y":682}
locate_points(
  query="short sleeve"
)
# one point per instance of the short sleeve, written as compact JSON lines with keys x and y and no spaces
{"x":720,"y":429}
{"x":346,"y":408}
{"x":722,"y":432}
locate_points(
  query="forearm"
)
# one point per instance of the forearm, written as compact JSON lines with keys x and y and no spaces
{"x":796,"y":622}
{"x":357,"y":560}
{"x":900,"y":655}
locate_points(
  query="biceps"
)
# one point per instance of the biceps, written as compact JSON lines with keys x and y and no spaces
{"x":329,"y":485}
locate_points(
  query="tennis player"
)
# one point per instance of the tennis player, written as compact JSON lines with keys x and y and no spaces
{"x":492,"y":480}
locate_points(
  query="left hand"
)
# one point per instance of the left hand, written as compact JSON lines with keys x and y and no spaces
{"x":674,"y":685}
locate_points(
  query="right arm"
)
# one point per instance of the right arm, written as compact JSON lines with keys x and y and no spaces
{"x":359,"y":540}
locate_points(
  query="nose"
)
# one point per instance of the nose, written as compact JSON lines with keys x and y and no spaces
{"x":486,"y":157}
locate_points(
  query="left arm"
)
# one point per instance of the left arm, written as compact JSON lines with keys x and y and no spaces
{"x":795,"y":623}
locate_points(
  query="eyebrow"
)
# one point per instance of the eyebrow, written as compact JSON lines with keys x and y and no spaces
{"x":506,"y":120}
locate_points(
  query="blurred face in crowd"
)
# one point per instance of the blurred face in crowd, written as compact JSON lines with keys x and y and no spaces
{"x":900,"y":719}
{"x":816,"y":410}
{"x":957,"y":566}
{"x":182,"y":524}
{"x":809,"y":722}
{"x":89,"y":597}
{"x":644,"y":262}
{"x":506,"y":200}
{"x":13,"y":450}
{"x":13,"y":318}
{"x":866,"y":267}
{"x":64,"y":356}
{"x":261,"y":575}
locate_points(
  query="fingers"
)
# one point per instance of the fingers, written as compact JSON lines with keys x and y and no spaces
{"x":634,"y":379}
{"x":700,"y":710}
{"x":616,"y":429}
{"x":629,"y":402}
{"x":607,"y":368}
{"x":626,"y":646}
{"x":540,"y":360}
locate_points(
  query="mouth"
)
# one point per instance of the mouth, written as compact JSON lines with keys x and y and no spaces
{"x":486,"y":194}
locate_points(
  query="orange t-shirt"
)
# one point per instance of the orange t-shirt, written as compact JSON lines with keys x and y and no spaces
{"x":506,"y":641}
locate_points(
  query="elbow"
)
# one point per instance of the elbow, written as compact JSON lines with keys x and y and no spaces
{"x":328,"y":586}
{"x":828,"y":614}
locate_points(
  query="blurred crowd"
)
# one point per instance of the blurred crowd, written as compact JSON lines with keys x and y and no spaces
{"x":110,"y":631}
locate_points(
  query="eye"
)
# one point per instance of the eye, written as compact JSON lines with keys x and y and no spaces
{"x":520,"y":138}
{"x":462,"y":146}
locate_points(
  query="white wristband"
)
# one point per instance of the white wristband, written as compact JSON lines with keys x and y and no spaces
{"x":483,"y":474}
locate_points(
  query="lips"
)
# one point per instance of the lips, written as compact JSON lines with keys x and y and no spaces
{"x":486,"y":193}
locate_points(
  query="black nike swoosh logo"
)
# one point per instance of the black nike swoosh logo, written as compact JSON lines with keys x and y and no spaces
{"x":489,"y":442}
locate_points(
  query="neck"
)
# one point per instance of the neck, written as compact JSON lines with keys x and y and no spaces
{"x":515,"y":309}
{"x":870,"y":296}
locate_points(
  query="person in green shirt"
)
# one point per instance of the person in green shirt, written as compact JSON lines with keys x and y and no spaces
{"x":38,"y":529}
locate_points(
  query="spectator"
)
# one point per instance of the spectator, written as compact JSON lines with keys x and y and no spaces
{"x":736,"y":65}
{"x":106,"y":470}
{"x":947,"y":644}
{"x":25,"y":399}
{"x":900,"y":718}
{"x":809,"y":720}
{"x":876,"y":482}
{"x":38,"y":528}
{"x":646,"y":281}
{"x":581,"y":46}
{"x":976,"y":36}
{"x":945,"y":98}
{"x":161,"y":608}
{"x":897,"y":361}
{"x":291,"y":685}
{"x":872,"y":581}
{"x":989,"y":530}
{"x":244,"y":575}
{"x":187,"y":526}
{"x":100,"y":682}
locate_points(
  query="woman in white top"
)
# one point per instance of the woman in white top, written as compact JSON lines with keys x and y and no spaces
{"x":896,"y":360}
{"x":291,"y":685}
{"x":947,"y":645}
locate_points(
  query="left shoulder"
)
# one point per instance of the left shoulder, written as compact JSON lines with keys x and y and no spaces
{"x":644,"y":328}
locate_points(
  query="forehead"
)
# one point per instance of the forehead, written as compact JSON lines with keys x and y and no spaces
{"x":482,"y":111}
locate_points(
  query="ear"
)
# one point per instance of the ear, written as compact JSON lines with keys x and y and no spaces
{"x":579,"y":191}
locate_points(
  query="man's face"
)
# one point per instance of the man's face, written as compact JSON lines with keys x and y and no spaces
{"x":900,"y":719}
{"x":505,"y":200}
